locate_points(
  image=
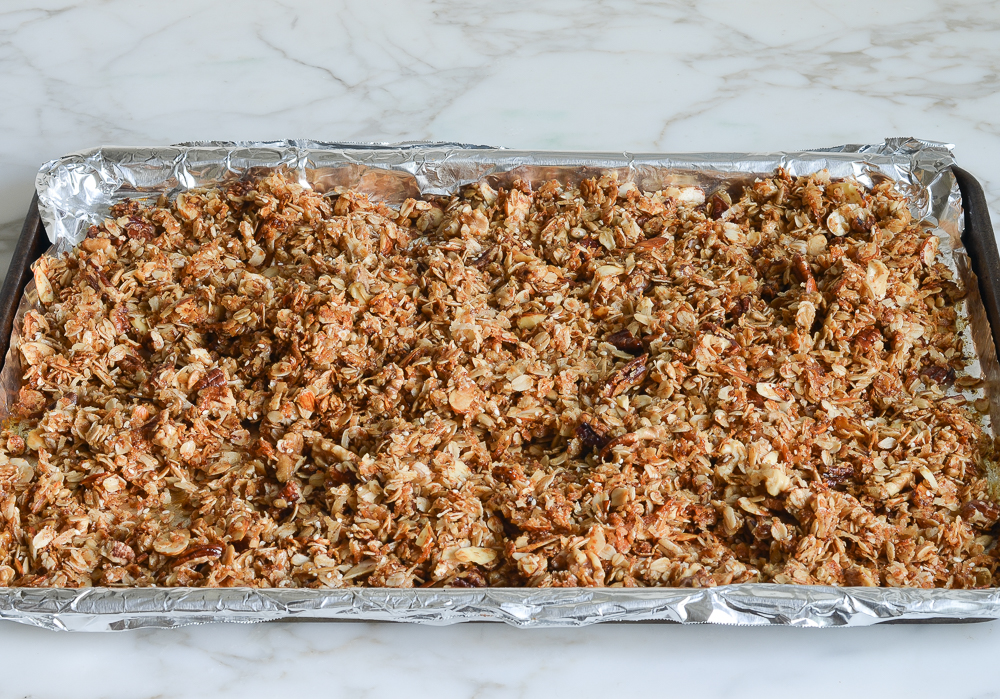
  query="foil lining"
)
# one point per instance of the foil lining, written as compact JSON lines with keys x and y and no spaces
{"x":77,"y":190}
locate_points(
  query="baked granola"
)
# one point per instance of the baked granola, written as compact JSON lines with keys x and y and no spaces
{"x":572,"y":384}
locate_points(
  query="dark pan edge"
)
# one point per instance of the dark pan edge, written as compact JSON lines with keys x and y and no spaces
{"x":981,"y":244}
{"x":30,"y":247}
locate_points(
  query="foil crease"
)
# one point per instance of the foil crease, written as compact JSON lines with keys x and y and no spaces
{"x":77,"y":190}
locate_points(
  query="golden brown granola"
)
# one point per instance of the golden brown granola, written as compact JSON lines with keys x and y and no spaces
{"x":261,"y":385}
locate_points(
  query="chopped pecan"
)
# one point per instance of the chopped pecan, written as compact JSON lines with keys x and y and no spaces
{"x":196,"y":555}
{"x":984,"y":512}
{"x":943,"y":375}
{"x":803,"y":273}
{"x":625,"y":341}
{"x":214,"y":378}
{"x":592,"y":436}
{"x":632,"y":374}
{"x":717,"y":206}
{"x":835,"y":474}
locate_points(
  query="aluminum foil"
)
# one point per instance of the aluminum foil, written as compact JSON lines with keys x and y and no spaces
{"x":76,"y":191}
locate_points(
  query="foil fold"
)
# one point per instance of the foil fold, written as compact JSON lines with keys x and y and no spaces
{"x":749,"y":604}
{"x":77,"y":190}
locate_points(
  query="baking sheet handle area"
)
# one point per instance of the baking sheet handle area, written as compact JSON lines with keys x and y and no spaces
{"x":981,"y":243}
{"x":30,"y":247}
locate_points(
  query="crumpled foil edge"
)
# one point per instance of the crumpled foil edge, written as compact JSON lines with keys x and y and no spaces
{"x":748,"y":604}
{"x":76,"y":191}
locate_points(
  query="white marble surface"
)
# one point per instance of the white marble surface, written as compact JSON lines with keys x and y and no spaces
{"x":565,"y":75}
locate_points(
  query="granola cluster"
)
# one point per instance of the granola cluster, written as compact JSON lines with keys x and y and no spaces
{"x":571,"y":384}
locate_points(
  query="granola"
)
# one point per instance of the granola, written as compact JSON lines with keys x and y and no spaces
{"x":572,"y":384}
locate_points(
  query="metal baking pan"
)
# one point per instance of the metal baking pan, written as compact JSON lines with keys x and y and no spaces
{"x":746,"y":604}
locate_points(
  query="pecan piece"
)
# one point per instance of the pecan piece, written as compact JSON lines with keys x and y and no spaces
{"x":126,"y":207}
{"x":740,"y":306}
{"x":836,"y":474}
{"x":214,"y":379}
{"x":120,"y":553}
{"x":591,"y":436}
{"x":196,"y":555}
{"x":138,"y":229}
{"x":942,"y":375}
{"x":632,"y":374}
{"x":484,"y":259}
{"x":625,"y":341}
{"x":980,"y":512}
{"x":717,"y":206}
{"x":804,"y":273}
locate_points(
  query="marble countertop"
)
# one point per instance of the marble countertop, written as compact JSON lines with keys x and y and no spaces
{"x":611,"y":75}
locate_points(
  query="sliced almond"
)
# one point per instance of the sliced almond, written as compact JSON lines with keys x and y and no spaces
{"x":530,"y":320}
{"x":522,"y":383}
{"x":476,"y":554}
{"x":462,"y":399}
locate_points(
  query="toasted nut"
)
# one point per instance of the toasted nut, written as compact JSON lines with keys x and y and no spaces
{"x":112,"y":484}
{"x":42,"y":285}
{"x":461,"y":400}
{"x":476,"y":554}
{"x":15,"y":444}
{"x":687,"y":195}
{"x":529,"y":321}
{"x":172,"y":543}
{"x":43,"y":538}
{"x":523,"y":382}
{"x":816,"y":245}
{"x":838,"y":224}
{"x":768,"y":391}
{"x":806,"y":315}
{"x":35,"y":352}
{"x":877,"y":279}
{"x":285,"y":468}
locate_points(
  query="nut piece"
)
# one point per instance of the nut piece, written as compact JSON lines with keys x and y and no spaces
{"x":476,"y":554}
{"x":816,"y":245}
{"x":632,"y":374}
{"x":524,"y":382}
{"x":529,"y":321}
{"x":928,"y":250}
{"x":43,"y":539}
{"x":877,"y":279}
{"x":462,"y":399}
{"x":112,"y":484}
{"x":36,"y":352}
{"x":805,"y":316}
{"x":838,"y":224}
{"x":42,"y":285}
{"x":686,"y":195}
{"x":768,"y":391}
{"x":626,"y":341}
{"x":172,"y":543}
{"x":285,"y":468}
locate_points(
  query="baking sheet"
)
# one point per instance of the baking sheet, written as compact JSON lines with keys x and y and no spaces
{"x":77,"y":190}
